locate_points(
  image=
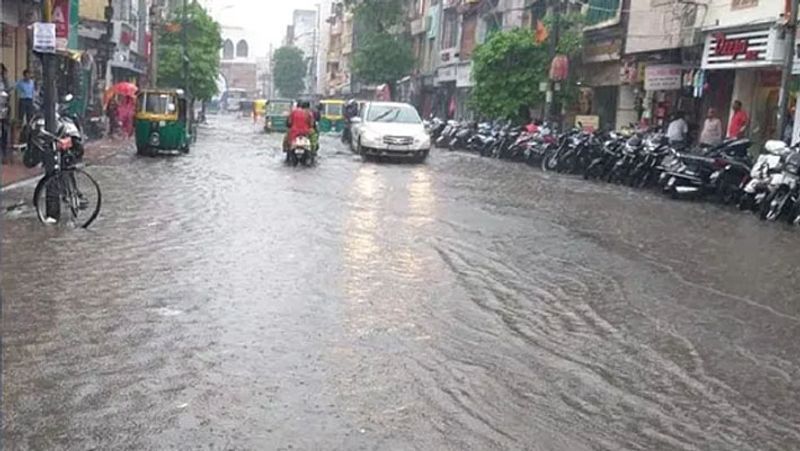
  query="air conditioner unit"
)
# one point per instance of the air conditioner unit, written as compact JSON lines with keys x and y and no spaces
{"x":449,"y":55}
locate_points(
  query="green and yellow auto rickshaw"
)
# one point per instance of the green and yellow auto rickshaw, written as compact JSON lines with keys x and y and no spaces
{"x":332,"y":119}
{"x":162,"y":122}
{"x":277,"y":114}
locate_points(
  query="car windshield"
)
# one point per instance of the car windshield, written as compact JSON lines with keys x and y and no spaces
{"x":155,"y":103}
{"x":393,"y":113}
{"x":333,"y":109}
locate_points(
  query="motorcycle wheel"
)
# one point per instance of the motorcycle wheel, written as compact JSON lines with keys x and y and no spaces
{"x":772,"y":207}
{"x":550,"y":160}
{"x":746,"y":202}
{"x":591,"y":170}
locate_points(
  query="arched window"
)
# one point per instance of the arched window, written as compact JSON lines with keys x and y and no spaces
{"x":227,"y":50}
{"x":241,"y":49}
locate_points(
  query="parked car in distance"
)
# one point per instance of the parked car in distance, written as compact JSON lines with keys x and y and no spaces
{"x":392,"y":130}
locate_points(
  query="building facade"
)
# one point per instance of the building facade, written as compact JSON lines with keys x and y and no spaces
{"x":238,"y":65}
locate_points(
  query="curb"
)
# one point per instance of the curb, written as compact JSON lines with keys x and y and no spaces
{"x":29,"y":180}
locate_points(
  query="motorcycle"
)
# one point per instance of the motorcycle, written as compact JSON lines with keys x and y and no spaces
{"x":769,"y":163}
{"x":300,"y":152}
{"x":782,"y":200}
{"x":719,"y":170}
{"x":446,"y":134}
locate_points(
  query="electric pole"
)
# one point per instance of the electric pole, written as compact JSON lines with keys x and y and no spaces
{"x":155,"y":24}
{"x":48,"y":76}
{"x":790,"y":31}
{"x":184,"y":52}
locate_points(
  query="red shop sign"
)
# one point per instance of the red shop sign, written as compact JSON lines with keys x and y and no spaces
{"x":733,"y":47}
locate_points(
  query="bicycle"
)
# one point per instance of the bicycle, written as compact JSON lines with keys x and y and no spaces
{"x":67,"y":188}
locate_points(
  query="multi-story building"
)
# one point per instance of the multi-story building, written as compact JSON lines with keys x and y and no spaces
{"x":304,"y":33}
{"x":340,"y":49}
{"x":237,"y":64}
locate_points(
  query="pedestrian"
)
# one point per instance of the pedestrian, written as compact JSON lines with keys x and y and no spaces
{"x":111,"y":114}
{"x":4,"y":114}
{"x":26,"y":91}
{"x":125,"y":112}
{"x":739,"y":121}
{"x":677,"y":131}
{"x":712,"y":129}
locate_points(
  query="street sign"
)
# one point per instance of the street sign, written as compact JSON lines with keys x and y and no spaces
{"x":44,"y":37}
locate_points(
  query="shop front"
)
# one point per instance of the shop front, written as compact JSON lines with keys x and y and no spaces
{"x":744,"y":64}
{"x":601,"y":81}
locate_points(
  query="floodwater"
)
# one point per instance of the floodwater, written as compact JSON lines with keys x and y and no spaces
{"x":225,"y":301}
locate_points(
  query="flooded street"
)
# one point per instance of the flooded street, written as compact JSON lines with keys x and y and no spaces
{"x":225,"y":301}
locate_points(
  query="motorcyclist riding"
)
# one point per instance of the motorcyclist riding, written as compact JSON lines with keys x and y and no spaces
{"x":301,"y":123}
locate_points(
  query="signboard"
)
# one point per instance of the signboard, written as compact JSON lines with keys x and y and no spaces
{"x":44,"y":37}
{"x":445,"y":74}
{"x":589,"y":123}
{"x":61,"y":19}
{"x":665,"y":77}
{"x":742,"y":49}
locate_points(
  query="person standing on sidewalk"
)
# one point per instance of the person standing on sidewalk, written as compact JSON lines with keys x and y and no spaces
{"x":712,"y":129}
{"x":4,"y":114}
{"x":678,"y":131}
{"x":26,"y":90}
{"x":739,"y":122}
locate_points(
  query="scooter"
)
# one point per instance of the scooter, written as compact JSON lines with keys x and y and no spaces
{"x":300,"y":152}
{"x":769,"y":163}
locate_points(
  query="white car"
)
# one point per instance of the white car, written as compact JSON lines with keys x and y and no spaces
{"x":388,"y":129}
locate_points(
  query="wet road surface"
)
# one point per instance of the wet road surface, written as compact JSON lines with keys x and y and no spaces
{"x":225,"y":301}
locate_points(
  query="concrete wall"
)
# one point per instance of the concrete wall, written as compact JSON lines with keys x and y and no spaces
{"x":726,"y":13}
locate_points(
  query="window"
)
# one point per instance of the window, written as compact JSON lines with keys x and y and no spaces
{"x":468,"y":35}
{"x":227,"y":50}
{"x":602,"y":11}
{"x":156,"y":103}
{"x":241,"y":49}
{"x":450,"y":29}
{"x":393,"y":113}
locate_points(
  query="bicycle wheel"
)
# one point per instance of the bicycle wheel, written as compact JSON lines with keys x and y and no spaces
{"x":69,"y":197}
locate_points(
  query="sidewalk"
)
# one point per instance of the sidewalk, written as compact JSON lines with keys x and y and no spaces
{"x":95,"y":151}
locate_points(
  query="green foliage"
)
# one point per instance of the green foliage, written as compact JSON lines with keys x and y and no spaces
{"x":383,"y":58}
{"x":204,"y":40}
{"x":377,"y":16}
{"x":289,"y":70}
{"x":507,"y":70}
{"x":383,"y":55}
{"x":509,"y":67}
{"x":570,"y":39}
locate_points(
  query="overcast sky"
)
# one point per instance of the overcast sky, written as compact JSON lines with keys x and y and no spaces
{"x":264,"y":20}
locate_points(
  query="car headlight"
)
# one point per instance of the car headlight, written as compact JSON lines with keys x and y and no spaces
{"x":423,"y":140}
{"x":368,"y":136}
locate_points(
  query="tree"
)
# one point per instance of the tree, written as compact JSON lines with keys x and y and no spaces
{"x":383,"y":58}
{"x":204,"y":39}
{"x":509,"y":67}
{"x":384,"y":54}
{"x":289,"y":69}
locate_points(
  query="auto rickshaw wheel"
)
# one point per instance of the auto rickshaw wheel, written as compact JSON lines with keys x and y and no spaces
{"x":144,"y":150}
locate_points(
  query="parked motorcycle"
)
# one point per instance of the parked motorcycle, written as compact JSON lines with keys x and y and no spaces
{"x":769,"y":163}
{"x":719,"y":171}
{"x":782,"y":200}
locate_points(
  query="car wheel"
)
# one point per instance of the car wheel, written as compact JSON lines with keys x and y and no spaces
{"x":360,"y":151}
{"x":421,"y":157}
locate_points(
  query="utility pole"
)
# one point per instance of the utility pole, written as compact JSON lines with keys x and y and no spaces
{"x":790,"y":31}
{"x":185,"y":54}
{"x":155,"y":24}
{"x":550,"y":103}
{"x":48,"y":76}
{"x":52,"y":202}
